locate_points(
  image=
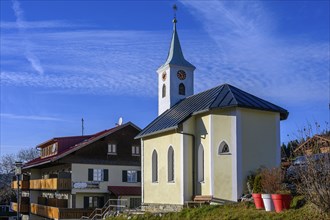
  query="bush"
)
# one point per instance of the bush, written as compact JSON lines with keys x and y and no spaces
{"x":272,"y":180}
{"x":257,"y":188}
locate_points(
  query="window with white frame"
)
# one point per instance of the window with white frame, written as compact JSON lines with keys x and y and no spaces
{"x":112,"y":148}
{"x":136,"y":150}
{"x":131,"y":176}
{"x":97,"y":175}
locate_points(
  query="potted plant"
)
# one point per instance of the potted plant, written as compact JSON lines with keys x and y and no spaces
{"x":282,"y":200}
{"x":257,"y":189}
{"x":282,"y":197}
{"x":270,"y":184}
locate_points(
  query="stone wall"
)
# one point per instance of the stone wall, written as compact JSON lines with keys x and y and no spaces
{"x":154,"y":207}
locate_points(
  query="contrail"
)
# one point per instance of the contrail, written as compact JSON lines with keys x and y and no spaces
{"x":29,"y":55}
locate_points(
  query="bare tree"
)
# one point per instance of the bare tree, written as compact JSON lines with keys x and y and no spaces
{"x":7,"y":167}
{"x":313,"y":175}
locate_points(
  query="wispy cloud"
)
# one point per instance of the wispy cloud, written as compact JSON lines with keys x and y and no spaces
{"x":29,"y":54}
{"x":252,"y":56}
{"x":239,"y":48}
{"x":39,"y":24}
{"x":29,"y":117}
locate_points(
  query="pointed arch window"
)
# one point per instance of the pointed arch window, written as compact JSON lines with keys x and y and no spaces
{"x":154,"y":166}
{"x":164,"y":91}
{"x":182,"y":89}
{"x":170,"y":164}
{"x":223,"y":148}
{"x":200,"y":163}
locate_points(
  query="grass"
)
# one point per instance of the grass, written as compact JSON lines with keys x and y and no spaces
{"x":244,"y":210}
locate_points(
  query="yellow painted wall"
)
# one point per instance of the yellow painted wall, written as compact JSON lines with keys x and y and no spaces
{"x":260,"y":140}
{"x":80,"y":174}
{"x":203,"y":137}
{"x":223,"y":129}
{"x":162,"y":192}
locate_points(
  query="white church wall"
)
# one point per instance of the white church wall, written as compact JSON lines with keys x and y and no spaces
{"x":223,"y":129}
{"x":260,"y":141}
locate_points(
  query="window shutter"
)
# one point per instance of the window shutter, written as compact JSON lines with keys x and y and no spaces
{"x":90,"y":174}
{"x":86,"y":202}
{"x":124,"y":176}
{"x":139,"y":176}
{"x":105,"y":175}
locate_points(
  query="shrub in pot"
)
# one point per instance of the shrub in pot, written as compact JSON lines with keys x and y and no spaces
{"x":281,"y":200}
{"x":257,"y":189}
{"x":270,"y":182}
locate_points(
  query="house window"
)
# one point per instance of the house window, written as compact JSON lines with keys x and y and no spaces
{"x":170,"y":164}
{"x":93,"y":202}
{"x":182,"y":89}
{"x":154,"y":166}
{"x":200,"y":163}
{"x":136,"y":150}
{"x":163,"y":91}
{"x":112,"y":149}
{"x":223,"y":148}
{"x":98,"y":174}
{"x":131,"y":176}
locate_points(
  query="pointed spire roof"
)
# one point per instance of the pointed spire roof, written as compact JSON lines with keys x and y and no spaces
{"x":175,"y":55}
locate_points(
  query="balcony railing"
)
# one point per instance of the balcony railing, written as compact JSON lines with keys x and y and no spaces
{"x":58,"y":213}
{"x":23,"y":208}
{"x":51,"y":184}
{"x":23,"y":184}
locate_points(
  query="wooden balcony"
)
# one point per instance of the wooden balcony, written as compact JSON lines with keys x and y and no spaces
{"x":51,"y":184}
{"x":58,"y":213}
{"x":23,"y":184}
{"x":23,"y":208}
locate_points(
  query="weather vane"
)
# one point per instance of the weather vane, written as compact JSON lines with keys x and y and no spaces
{"x":175,"y":8}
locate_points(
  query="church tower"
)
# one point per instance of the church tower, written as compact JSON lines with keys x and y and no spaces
{"x":175,"y":76}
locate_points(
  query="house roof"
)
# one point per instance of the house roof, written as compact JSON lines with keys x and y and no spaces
{"x":316,"y":140}
{"x":219,"y":97}
{"x":125,"y":190}
{"x":70,"y":149}
{"x":175,"y":55}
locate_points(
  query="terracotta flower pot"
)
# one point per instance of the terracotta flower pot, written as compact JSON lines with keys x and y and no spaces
{"x":268,"y":202}
{"x":258,"y":201}
{"x":281,"y":201}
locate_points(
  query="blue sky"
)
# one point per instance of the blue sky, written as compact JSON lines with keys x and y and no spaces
{"x":66,"y":60}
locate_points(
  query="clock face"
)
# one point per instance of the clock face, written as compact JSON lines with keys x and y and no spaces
{"x":164,"y":76}
{"x":181,"y":74}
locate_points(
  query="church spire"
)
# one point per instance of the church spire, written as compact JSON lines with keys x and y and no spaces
{"x":175,"y":55}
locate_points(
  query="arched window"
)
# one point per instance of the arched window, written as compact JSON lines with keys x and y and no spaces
{"x":163,"y":91}
{"x":154,"y":166}
{"x":182,"y":89}
{"x":170,"y":164}
{"x":200,"y":163}
{"x":223,"y":148}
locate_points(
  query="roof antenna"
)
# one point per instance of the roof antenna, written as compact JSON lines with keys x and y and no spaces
{"x":120,"y":121}
{"x":175,"y":8}
{"x":82,"y":127}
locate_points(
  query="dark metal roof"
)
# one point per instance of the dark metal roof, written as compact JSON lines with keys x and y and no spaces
{"x":222,"y":96}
